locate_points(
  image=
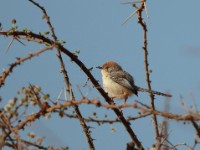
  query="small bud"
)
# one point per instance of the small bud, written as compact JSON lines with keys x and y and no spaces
{"x":39,"y":140}
{"x":21,"y":101}
{"x":24,"y":90}
{"x":33,"y":103}
{"x":11,"y":102}
{"x":46,"y":96}
{"x":113,"y":129}
{"x":7,"y":107}
{"x":47,"y":115}
{"x":14,"y":21}
{"x":94,"y":113}
{"x":37,"y":89}
{"x":31,"y":134}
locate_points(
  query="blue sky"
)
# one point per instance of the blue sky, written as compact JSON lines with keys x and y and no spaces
{"x":95,"y":28}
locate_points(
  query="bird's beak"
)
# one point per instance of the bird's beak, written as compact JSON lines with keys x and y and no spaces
{"x":99,"y":67}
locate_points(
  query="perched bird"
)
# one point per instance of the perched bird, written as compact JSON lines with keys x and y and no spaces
{"x":119,"y":84}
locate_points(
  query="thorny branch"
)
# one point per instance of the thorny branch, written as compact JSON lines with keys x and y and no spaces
{"x":47,"y":108}
{"x":11,"y":129}
{"x":103,"y":121}
{"x":6,"y":73}
{"x":146,"y":65}
{"x":30,"y":36}
{"x":66,"y":79}
{"x":53,"y":108}
{"x":56,"y":107}
{"x":196,"y":126}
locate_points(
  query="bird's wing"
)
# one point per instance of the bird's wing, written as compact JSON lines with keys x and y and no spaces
{"x":124,"y":79}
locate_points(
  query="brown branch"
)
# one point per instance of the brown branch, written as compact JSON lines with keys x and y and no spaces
{"x":53,"y":108}
{"x":104,"y":94}
{"x":46,"y":17}
{"x":196,"y":126}
{"x":28,"y":119}
{"x":76,"y":108}
{"x":146,"y":65}
{"x":4,"y":136}
{"x":178,"y":117}
{"x":66,"y":79}
{"x":18,"y":62}
{"x":34,"y":144}
{"x":11,"y":129}
{"x":37,"y":98}
{"x":30,"y":36}
{"x":26,"y":142}
{"x":99,"y":121}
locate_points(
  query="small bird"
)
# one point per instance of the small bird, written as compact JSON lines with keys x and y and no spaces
{"x":119,"y":84}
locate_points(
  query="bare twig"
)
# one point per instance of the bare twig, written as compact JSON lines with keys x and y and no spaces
{"x":34,"y":144}
{"x":5,"y":135}
{"x":103,"y":121}
{"x":146,"y":65}
{"x":42,"y":39}
{"x":182,"y":144}
{"x":11,"y":129}
{"x":183,"y":117}
{"x":37,"y":98}
{"x":18,"y":62}
{"x":134,"y":4}
{"x":66,"y":78}
{"x":196,"y":126}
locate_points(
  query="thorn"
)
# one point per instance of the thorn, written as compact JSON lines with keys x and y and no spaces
{"x":129,"y":17}
{"x":138,"y":1}
{"x":1,"y":26}
{"x":20,"y":41}
{"x":146,"y":10}
{"x":9,"y":45}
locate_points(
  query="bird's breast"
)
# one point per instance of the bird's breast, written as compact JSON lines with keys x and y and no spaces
{"x":114,"y":89}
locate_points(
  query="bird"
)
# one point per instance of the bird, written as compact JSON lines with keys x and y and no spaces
{"x":119,"y":84}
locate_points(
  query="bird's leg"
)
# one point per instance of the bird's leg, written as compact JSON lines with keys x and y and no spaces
{"x":113,"y":98}
{"x":125,"y":99}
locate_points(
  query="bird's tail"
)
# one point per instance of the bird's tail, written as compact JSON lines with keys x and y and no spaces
{"x":153,"y":92}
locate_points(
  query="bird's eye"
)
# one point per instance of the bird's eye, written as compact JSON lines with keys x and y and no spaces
{"x":109,"y":69}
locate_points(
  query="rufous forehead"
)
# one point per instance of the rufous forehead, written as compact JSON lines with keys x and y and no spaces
{"x":109,"y":64}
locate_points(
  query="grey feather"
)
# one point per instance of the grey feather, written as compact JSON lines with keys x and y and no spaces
{"x":124,"y":79}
